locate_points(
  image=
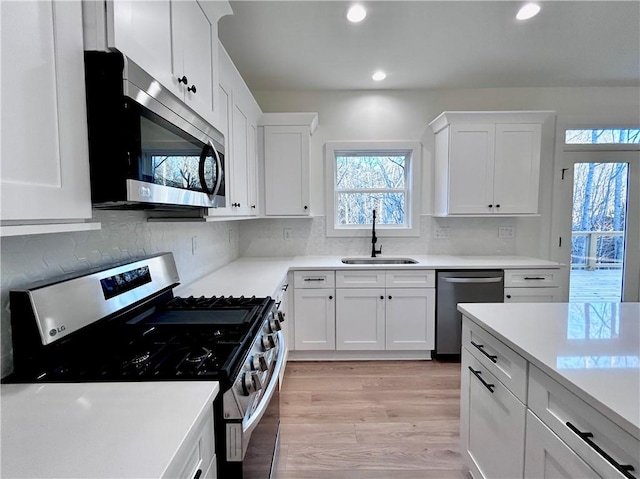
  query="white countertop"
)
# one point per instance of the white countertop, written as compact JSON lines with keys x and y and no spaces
{"x":98,"y":430}
{"x":593,"y":349}
{"x":261,"y":276}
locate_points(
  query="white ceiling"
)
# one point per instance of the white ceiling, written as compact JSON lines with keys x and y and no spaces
{"x":309,"y":45}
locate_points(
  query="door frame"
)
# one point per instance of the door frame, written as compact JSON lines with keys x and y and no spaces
{"x":573,"y":154}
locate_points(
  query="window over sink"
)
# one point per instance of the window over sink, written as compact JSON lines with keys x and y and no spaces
{"x":363,"y":176}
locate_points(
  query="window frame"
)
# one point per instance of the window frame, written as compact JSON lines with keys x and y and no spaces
{"x":412,"y":187}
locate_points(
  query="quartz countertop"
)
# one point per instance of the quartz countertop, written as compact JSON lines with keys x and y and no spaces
{"x":98,"y":430}
{"x":593,"y":349}
{"x":261,"y":276}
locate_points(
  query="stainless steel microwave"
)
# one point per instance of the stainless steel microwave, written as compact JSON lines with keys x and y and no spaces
{"x":147,"y":149}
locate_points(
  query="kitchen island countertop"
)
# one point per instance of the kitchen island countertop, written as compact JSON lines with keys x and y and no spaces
{"x":261,"y":276}
{"x":592,"y":349}
{"x":98,"y":430}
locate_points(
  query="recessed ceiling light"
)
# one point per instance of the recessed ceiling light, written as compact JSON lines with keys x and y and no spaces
{"x":379,"y":75}
{"x":528,"y":11}
{"x":356,"y":14}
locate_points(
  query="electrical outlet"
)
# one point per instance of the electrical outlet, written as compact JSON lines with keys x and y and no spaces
{"x":441,"y":232}
{"x":506,"y":232}
{"x":286,"y":233}
{"x":194,"y":244}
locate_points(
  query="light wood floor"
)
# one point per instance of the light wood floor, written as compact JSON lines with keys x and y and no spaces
{"x":370,"y":420}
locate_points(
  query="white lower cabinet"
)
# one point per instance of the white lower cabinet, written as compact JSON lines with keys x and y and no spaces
{"x":400,"y":316}
{"x":492,"y":424}
{"x":410,"y":319}
{"x":196,"y":457}
{"x":565,"y":437}
{"x":532,"y":286}
{"x":314,"y":310}
{"x":360,"y":317}
{"x":548,"y":457}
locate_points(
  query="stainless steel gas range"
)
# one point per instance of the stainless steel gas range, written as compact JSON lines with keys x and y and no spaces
{"x":123,"y":323}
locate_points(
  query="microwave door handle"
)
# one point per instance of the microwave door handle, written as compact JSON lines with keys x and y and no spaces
{"x":203,"y":179}
{"x":220,"y":169}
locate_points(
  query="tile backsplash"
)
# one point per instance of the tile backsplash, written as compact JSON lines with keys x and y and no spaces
{"x":124,"y":235}
{"x":466,"y":236}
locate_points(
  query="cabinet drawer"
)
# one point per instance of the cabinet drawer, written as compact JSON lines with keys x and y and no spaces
{"x":548,"y":457}
{"x":314,"y":279}
{"x":567,"y":415}
{"x":360,"y":279}
{"x":411,"y":279}
{"x":492,"y":423}
{"x":196,"y":453}
{"x":507,"y":365}
{"x":531,"y":278}
{"x":531,"y":295}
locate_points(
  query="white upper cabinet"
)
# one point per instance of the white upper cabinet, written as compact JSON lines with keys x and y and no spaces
{"x":488,"y":163}
{"x":286,"y":162}
{"x":238,"y":121}
{"x":176,"y":42}
{"x":193,"y":57}
{"x":45,"y":163}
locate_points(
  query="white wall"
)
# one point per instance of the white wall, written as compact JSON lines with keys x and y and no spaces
{"x":405,"y":115}
{"x":124,"y":235}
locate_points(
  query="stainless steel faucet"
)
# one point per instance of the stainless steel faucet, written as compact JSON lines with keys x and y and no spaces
{"x":374,"y":239}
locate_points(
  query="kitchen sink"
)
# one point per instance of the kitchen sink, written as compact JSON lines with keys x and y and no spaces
{"x":378,"y":261}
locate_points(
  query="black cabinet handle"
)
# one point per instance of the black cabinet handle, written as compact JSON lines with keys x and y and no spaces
{"x":586,"y":437}
{"x":235,"y":204}
{"x":183,"y":80}
{"x":285,"y":287}
{"x":480,"y":347}
{"x":314,"y":279}
{"x":192,"y":89}
{"x":197,"y":474}
{"x":253,"y":206}
{"x":477,"y":374}
{"x":278,"y":304}
{"x":533,"y":277}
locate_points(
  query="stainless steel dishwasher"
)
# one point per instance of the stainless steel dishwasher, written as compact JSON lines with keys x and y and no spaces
{"x":467,"y":286}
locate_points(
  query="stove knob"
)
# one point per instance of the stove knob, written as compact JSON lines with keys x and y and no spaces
{"x":251,"y":382}
{"x":259,"y":362}
{"x":274,"y":325}
{"x":268,"y":342}
{"x":281,"y":316}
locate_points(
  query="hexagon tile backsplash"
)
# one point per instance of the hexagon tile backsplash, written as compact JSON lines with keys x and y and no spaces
{"x":124,"y":235}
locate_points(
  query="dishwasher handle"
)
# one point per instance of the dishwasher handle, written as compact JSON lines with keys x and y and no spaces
{"x":491,"y":279}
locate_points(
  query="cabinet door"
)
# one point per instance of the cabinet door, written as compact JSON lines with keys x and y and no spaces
{"x":192,"y":56}
{"x":142,"y":31}
{"x":410,"y":319}
{"x":548,"y":457}
{"x":252,"y":168}
{"x":315,"y":319}
{"x":286,"y":175}
{"x":43,"y":98}
{"x":492,"y":424}
{"x":471,"y":156}
{"x":531,"y":295}
{"x":239,"y":161}
{"x":517,"y":168}
{"x":360,"y":319}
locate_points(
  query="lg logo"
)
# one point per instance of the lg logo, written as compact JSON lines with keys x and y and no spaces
{"x":55,"y":331}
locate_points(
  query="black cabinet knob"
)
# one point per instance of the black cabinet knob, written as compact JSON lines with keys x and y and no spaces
{"x":330,"y":297}
{"x":381,"y":297}
{"x":508,"y":296}
{"x":305,"y":207}
{"x":389,"y":296}
{"x":497,"y":206}
{"x":192,"y":89}
{"x":253,"y":206}
{"x":490,"y":206}
{"x":183,"y":80}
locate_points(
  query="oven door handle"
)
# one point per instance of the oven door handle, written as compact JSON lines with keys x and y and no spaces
{"x":268,"y":394}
